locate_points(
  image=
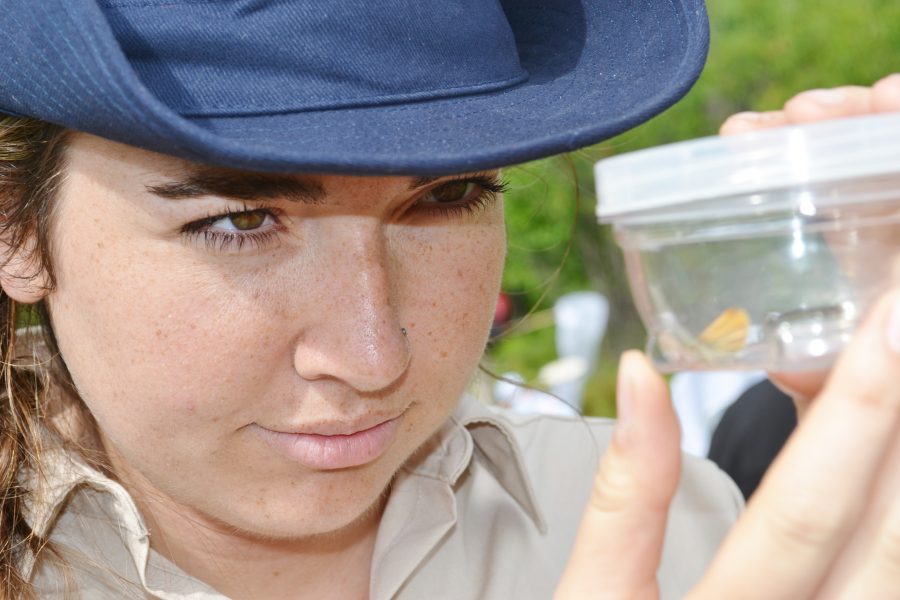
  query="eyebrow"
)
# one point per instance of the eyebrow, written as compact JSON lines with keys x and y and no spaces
{"x":241,"y":186}
{"x":253,"y":186}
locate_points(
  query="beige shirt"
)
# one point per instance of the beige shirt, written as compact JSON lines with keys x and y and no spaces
{"x":490,"y":512}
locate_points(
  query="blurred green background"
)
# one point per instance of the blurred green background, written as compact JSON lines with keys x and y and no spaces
{"x":761,"y":53}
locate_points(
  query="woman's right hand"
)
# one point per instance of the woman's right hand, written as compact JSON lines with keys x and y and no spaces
{"x":825,"y":521}
{"x":811,"y":528}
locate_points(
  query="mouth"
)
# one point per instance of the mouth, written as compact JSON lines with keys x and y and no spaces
{"x":330,"y":447}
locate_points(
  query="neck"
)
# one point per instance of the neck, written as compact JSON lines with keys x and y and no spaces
{"x":240,"y":565}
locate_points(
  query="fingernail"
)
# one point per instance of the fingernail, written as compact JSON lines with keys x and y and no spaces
{"x":826,"y":98}
{"x":624,"y":399}
{"x":893,"y":330}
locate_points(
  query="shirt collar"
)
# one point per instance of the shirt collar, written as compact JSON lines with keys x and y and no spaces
{"x":496,"y":444}
{"x":60,"y":474}
{"x":477,"y":430}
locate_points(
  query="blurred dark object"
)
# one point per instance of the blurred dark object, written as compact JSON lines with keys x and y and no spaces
{"x":751,"y":432}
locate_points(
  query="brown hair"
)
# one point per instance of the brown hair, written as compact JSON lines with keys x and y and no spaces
{"x":31,"y":168}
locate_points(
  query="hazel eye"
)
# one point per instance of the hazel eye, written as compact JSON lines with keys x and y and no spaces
{"x":243,"y":221}
{"x":453,"y":192}
{"x":231,"y":230}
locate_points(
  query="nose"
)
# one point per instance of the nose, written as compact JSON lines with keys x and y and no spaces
{"x":357,"y":337}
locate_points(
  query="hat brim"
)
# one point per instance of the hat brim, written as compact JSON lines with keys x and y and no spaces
{"x":601,"y":68}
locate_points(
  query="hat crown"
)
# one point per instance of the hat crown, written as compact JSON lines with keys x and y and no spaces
{"x":207,"y":58}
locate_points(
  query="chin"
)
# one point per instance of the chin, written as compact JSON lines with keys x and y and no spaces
{"x":325,"y":504}
{"x":298,"y":522}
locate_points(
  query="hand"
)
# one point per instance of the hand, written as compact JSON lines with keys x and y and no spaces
{"x":807,"y":107}
{"x":826,"y":520}
{"x":815,"y":526}
{"x":820,"y":105}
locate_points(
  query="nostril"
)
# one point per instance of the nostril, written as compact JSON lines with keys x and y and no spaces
{"x":369,"y":361}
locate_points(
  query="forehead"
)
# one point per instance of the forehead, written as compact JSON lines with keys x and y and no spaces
{"x":172,"y":177}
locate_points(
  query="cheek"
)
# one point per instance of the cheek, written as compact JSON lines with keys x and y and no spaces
{"x":147,"y":335}
{"x":453,"y":289}
{"x":154,"y":331}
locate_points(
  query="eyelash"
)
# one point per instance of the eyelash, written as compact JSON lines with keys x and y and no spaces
{"x":233,"y":240}
{"x":490,"y":188}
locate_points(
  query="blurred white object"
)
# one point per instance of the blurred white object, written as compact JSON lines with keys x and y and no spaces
{"x":526,"y":400}
{"x":565,"y":378}
{"x":580,"y":319}
{"x":700,"y":398}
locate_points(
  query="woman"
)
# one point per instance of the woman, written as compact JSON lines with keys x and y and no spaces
{"x":264,"y":297}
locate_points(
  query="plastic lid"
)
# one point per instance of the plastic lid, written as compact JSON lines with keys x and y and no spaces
{"x":675,"y":174}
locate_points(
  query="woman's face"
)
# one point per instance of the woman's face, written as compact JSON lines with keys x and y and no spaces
{"x":267,"y":351}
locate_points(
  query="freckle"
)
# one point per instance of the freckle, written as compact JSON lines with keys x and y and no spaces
{"x":100,"y":245}
{"x":159,"y":333}
{"x":443,"y":354}
{"x":412,"y":325}
{"x":275,"y":573}
{"x":434,"y":304}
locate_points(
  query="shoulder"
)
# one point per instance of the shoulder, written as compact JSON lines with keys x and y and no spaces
{"x":568,"y":447}
{"x":574,"y":444}
{"x":561,"y":455}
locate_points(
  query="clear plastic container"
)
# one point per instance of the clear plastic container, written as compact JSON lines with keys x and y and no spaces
{"x":759,"y":251}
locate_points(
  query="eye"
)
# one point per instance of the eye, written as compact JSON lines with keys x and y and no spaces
{"x":462,"y":196}
{"x":453,"y":192}
{"x":232,"y":229}
{"x":243,"y":221}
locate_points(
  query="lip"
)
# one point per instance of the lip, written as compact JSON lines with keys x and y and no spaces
{"x":330,"y":447}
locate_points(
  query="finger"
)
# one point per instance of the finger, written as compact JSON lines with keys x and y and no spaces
{"x":834,"y":103}
{"x":876,"y":574}
{"x":619,"y":543}
{"x":752,"y":121}
{"x":802,"y":387}
{"x":886,"y":94}
{"x":871,"y":561}
{"x":812,"y":496}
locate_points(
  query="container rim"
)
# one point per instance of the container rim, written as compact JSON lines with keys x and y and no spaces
{"x":681,"y":174}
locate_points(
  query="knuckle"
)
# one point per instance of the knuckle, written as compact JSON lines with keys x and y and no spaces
{"x":868,"y":383}
{"x":807,"y":520}
{"x":797,"y":101}
{"x":889,"y":549}
{"x":874,"y":398}
{"x":614,"y":489}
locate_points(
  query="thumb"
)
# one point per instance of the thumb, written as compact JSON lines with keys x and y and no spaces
{"x":619,"y":543}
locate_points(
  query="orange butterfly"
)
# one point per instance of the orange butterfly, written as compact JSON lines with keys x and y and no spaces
{"x":728,"y":332}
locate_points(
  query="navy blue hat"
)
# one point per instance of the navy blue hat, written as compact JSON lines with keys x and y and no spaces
{"x":350,"y":86}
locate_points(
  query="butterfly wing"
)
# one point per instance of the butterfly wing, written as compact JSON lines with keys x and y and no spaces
{"x":728,"y":332}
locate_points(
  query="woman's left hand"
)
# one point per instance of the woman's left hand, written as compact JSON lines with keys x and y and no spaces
{"x":807,"y":107}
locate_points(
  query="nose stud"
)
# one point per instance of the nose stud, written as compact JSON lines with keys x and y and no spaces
{"x":403,"y":331}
